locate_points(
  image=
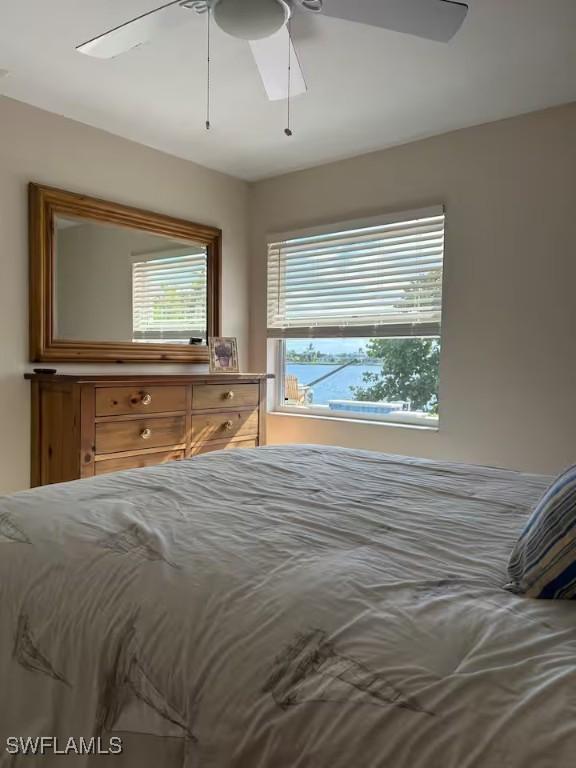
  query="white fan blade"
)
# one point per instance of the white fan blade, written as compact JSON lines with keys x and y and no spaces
{"x":271,"y":55}
{"x":133,"y":33}
{"x":432,"y":19}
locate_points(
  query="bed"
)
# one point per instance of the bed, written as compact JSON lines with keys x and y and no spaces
{"x":285,"y":607}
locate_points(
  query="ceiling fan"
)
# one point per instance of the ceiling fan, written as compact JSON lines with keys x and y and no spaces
{"x":265,"y":25}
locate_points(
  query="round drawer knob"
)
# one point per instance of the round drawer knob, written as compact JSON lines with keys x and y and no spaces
{"x":146,"y":398}
{"x":228,"y":426}
{"x":228,"y":395}
{"x":146,"y":434}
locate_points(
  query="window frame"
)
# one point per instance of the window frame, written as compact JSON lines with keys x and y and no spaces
{"x":277,"y":346}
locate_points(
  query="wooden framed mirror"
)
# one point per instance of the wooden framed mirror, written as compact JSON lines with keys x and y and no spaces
{"x":110,"y":283}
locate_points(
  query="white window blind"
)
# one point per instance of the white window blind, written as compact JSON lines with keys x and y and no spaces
{"x":381,"y":278}
{"x":169,"y":298}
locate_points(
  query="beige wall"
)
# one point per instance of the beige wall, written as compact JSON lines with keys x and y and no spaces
{"x":39,"y":146}
{"x":508,"y":371}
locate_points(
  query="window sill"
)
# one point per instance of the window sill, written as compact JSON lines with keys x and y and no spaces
{"x":355,"y":420}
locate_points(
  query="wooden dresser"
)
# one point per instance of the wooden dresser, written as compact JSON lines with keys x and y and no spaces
{"x":86,"y":425}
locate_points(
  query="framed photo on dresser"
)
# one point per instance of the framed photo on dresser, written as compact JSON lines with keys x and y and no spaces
{"x":223,"y":354}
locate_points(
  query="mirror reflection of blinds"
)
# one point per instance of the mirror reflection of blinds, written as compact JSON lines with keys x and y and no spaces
{"x":379,"y":279}
{"x":169,"y":298}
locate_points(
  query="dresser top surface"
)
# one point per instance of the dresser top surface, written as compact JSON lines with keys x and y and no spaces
{"x":156,"y":378}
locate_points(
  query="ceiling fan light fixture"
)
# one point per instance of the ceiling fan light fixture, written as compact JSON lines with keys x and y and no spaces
{"x":251,"y":19}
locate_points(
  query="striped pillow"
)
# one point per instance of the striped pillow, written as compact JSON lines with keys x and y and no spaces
{"x":543,"y":562}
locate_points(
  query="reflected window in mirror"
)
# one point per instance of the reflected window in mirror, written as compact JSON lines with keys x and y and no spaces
{"x":169,"y":297}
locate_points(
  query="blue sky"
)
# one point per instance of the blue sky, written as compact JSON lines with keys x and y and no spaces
{"x":327,"y":345}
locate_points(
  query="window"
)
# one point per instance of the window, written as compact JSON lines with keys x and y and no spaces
{"x":169,"y":296}
{"x":354,"y":312}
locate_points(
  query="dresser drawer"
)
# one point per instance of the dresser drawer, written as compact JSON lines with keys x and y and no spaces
{"x":225,"y":396}
{"x":120,"y":401}
{"x":220,"y":426}
{"x":135,"y":462}
{"x":135,"y":434}
{"x":222,"y":445}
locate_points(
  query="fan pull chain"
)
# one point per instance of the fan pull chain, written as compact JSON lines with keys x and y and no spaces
{"x":288,"y":129}
{"x":208,"y":83}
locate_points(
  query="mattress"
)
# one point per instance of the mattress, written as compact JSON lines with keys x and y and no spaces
{"x":295,"y":606}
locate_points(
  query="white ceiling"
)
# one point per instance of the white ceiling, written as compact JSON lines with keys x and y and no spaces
{"x":368,"y":88}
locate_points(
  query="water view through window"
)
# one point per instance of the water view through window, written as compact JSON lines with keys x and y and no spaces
{"x":388,"y":379}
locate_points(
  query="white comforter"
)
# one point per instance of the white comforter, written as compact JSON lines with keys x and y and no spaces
{"x":290,"y":607}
